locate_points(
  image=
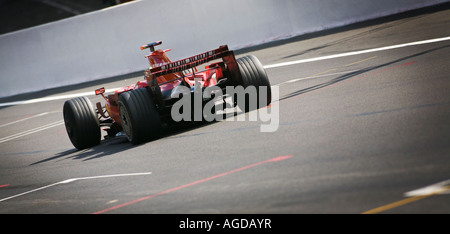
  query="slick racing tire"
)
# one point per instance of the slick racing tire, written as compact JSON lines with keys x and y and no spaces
{"x":253,"y":74}
{"x":139,"y":117}
{"x":82,"y":124}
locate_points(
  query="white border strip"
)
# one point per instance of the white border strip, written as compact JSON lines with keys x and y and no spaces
{"x":357,"y":52}
{"x":68,"y":96}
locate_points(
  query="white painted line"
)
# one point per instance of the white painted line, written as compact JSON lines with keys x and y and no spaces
{"x":315,"y":77}
{"x":28,"y":132}
{"x":356,"y":52}
{"x":27,"y":118}
{"x":439,"y":188}
{"x":104,"y":176}
{"x":72,"y":180}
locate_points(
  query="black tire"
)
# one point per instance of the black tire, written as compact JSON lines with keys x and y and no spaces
{"x":82,"y":124}
{"x":138,"y":115}
{"x":253,"y":74}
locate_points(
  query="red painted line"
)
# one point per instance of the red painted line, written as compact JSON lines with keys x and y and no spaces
{"x":194,"y":183}
{"x":1,"y":186}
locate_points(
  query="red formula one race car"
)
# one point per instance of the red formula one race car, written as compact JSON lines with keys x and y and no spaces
{"x":142,"y":110}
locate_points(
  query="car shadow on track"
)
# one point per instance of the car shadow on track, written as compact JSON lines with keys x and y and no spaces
{"x":356,"y":74}
{"x":106,"y":147}
{"x":119,"y":144}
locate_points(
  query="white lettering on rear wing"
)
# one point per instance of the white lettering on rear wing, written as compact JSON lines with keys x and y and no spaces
{"x":187,"y":63}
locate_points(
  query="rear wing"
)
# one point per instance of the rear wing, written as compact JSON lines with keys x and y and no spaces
{"x":192,"y":62}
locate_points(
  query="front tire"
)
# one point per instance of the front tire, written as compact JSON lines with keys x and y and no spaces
{"x":81,"y":123}
{"x":138,"y":115}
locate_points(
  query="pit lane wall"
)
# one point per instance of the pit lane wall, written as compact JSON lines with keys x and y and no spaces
{"x":106,"y":43}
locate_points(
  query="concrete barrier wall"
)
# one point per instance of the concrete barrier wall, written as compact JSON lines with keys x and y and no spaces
{"x":106,"y":43}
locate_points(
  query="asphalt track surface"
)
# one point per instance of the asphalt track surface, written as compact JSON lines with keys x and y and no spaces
{"x":360,"y":131}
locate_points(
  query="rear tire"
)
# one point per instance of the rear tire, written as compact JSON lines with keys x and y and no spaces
{"x":253,"y":74}
{"x":138,"y":115}
{"x":81,"y":123}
